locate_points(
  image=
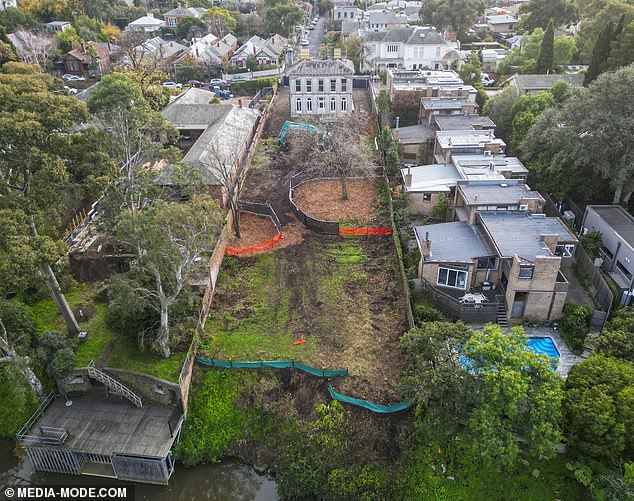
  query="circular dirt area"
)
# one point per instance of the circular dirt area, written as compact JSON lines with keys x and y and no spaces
{"x":321,"y":199}
{"x":254,"y":230}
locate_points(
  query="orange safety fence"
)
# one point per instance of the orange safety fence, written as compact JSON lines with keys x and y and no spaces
{"x":254,"y":249}
{"x":365,"y":231}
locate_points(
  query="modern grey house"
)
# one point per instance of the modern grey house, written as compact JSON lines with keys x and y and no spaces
{"x":616,"y":226}
{"x":321,"y":88}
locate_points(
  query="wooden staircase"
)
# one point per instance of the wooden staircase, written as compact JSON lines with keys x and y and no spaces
{"x":114,"y":385}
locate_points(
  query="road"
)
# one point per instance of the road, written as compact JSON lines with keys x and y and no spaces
{"x":315,"y":37}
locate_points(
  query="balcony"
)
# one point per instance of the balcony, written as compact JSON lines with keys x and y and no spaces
{"x":448,"y":301}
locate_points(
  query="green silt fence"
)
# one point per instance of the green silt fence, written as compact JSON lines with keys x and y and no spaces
{"x":276,"y":364}
{"x":378,"y":408}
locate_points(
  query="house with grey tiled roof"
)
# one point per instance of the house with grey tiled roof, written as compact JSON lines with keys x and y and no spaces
{"x":385,"y":20}
{"x":216,"y":132}
{"x":410,"y":48}
{"x":320,"y":88}
{"x":531,"y":84}
{"x":173,"y":17}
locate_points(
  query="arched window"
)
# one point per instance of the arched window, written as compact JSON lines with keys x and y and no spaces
{"x":298,"y":105}
{"x":309,"y":105}
{"x":344,"y":104}
{"x":333,"y":104}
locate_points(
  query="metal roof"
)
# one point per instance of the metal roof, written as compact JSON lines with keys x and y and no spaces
{"x":457,"y":242}
{"x":618,"y":219}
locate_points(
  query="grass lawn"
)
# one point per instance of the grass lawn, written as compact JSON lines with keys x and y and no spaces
{"x":48,"y":318}
{"x":258,"y":325}
{"x":126,"y":355}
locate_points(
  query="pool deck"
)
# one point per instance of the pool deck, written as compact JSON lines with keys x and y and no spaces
{"x":566,"y":358}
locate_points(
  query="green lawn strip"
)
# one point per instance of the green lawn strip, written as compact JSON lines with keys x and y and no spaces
{"x":255,"y":327}
{"x":99,"y":335}
{"x":126,"y":355}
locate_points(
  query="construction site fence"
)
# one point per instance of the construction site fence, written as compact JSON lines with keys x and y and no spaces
{"x":262,"y":210}
{"x":276,"y":364}
{"x":371,"y":406}
{"x":254,"y":249}
{"x":318,"y":225}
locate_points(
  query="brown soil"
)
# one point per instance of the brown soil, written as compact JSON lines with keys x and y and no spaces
{"x":254,"y":230}
{"x":279,"y":112}
{"x":322,"y":200}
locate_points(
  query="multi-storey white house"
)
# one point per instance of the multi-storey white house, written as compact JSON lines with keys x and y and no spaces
{"x":321,"y":88}
{"x":410,"y":48}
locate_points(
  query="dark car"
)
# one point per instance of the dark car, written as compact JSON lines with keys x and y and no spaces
{"x":196,"y":83}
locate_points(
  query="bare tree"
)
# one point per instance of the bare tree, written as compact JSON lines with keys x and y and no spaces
{"x":223,"y":163}
{"x":140,"y":55}
{"x":10,"y":355}
{"x":39,"y":46}
{"x":337,"y":150}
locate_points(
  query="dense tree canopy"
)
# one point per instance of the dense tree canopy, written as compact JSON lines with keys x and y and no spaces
{"x":538,"y":13}
{"x":599,"y":406}
{"x":456,"y":15}
{"x":592,"y":132}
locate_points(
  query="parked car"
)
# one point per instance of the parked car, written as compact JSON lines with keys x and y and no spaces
{"x":196,"y":83}
{"x":238,"y":78}
{"x":71,"y":90}
{"x":311,"y":27}
{"x":305,"y":43}
{"x":172,"y":85}
{"x":73,"y":78}
{"x":487,"y":81}
{"x":217,"y":81}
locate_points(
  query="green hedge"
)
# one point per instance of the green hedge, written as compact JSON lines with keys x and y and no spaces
{"x":251,"y":87}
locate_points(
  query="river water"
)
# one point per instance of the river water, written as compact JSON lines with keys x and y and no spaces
{"x":224,"y":481}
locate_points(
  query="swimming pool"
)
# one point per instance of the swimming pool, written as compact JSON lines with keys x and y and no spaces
{"x":544,"y":345}
{"x":540,"y":345}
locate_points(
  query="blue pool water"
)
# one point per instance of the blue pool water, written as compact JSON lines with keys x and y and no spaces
{"x":540,"y":345}
{"x":543,"y":345}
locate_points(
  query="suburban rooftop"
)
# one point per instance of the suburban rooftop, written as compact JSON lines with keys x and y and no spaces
{"x":619,"y":220}
{"x":457,"y":242}
{"x":506,"y":191}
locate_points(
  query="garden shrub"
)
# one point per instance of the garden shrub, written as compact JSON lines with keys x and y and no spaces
{"x":424,"y":312}
{"x":575,"y":325}
{"x":592,"y":242}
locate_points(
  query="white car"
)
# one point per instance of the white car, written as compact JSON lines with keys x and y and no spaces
{"x":71,"y":90}
{"x":486,"y":80}
{"x":305,"y":43}
{"x":73,"y":78}
{"x":172,"y":85}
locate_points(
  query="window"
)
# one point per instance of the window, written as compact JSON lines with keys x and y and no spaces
{"x":623,"y":269}
{"x":344,"y":104}
{"x":309,"y":85}
{"x":298,"y":85}
{"x":333,"y":104}
{"x":322,"y":104}
{"x":525,"y":272}
{"x":298,"y":106}
{"x":309,"y":104}
{"x":437,"y":51}
{"x":607,"y":252}
{"x":333,"y":85}
{"x":345,"y":15}
{"x":339,"y":15}
{"x":487,"y":263}
{"x":171,"y":21}
{"x":352,"y":15}
{"x":320,"y":85}
{"x":452,"y":278}
{"x":344,"y":84}
{"x":426,"y":197}
{"x":392,"y":48}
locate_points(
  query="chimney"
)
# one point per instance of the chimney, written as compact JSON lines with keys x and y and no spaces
{"x":240,"y":103}
{"x":171,"y":44}
{"x":150,"y":14}
{"x":83,"y":47}
{"x":396,"y":134}
{"x":425,"y":246}
{"x":408,"y":178}
{"x":398,"y":121}
{"x":109,"y":47}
